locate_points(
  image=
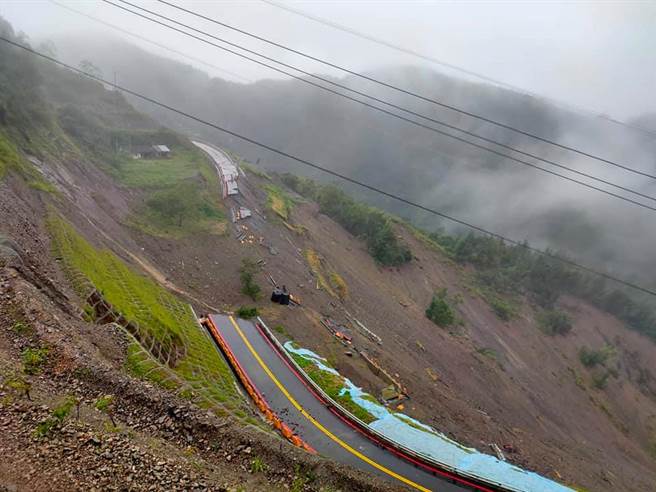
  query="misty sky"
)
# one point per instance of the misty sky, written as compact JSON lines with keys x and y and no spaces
{"x":596,"y":55}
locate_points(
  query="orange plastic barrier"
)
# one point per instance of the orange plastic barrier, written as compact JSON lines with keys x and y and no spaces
{"x":253,"y":392}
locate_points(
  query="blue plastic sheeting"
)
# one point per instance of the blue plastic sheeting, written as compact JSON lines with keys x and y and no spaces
{"x":426,"y":441}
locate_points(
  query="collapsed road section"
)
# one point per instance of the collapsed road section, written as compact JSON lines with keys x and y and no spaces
{"x":295,"y":403}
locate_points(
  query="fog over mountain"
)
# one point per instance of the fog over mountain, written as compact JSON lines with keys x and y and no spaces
{"x":439,"y":172}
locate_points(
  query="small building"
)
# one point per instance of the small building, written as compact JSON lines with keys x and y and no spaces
{"x":162,"y":151}
{"x":150,"y":152}
{"x":143,"y":152}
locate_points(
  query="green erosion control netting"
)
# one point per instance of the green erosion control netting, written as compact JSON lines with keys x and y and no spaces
{"x":167,"y":345}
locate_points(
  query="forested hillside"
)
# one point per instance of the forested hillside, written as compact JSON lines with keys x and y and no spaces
{"x":413,"y":162}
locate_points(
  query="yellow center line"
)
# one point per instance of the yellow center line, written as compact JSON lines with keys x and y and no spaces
{"x":298,"y":407}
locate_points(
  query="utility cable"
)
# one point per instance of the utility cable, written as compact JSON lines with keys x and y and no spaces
{"x":473,"y":144}
{"x":451,"y":66}
{"x":406,"y":91}
{"x":330,"y":172}
{"x":154,"y":43}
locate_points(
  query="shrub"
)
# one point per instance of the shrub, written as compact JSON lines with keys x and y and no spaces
{"x":105,"y":404}
{"x":33,"y":359}
{"x":439,"y":311}
{"x":600,"y":380}
{"x":247,"y":312}
{"x":502,"y":309}
{"x":247,"y":274}
{"x":19,"y":384}
{"x":554,"y":322}
{"x":57,"y":416}
{"x":591,"y":358}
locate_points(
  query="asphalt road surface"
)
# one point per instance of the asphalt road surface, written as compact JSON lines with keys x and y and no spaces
{"x":299,"y":408}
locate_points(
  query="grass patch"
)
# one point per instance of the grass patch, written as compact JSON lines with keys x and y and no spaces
{"x":339,"y":285}
{"x":279,"y":202}
{"x":34,"y":359}
{"x":169,"y":346}
{"x":502,"y":308}
{"x":328,"y":280}
{"x":9,"y":157}
{"x":488,"y":352}
{"x":333,"y":384}
{"x":11,"y":160}
{"x":258,"y":465}
{"x":184,"y":164}
{"x":182,"y":197}
{"x":280,"y":330}
{"x":249,"y":168}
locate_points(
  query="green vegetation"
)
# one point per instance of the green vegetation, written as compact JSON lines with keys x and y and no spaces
{"x":167,"y":345}
{"x":34,"y":359}
{"x":21,"y":328}
{"x":56,"y":418}
{"x":280,"y":330}
{"x":21,"y":103}
{"x":503,"y":309}
{"x":333,"y":385}
{"x":180,"y":211}
{"x":515,"y":270}
{"x":245,"y":312}
{"x":247,"y":275}
{"x":315,"y":263}
{"x":184,"y":164}
{"x":105,"y":404}
{"x":258,"y":465}
{"x":591,"y":358}
{"x":182,"y":192}
{"x":440,"y":311}
{"x":600,"y":380}
{"x":250,"y":168}
{"x":9,"y":158}
{"x":368,"y":223}
{"x":330,"y":281}
{"x":19,"y":384}
{"x":554,"y":322}
{"x":488,"y":352}
{"x":279,"y":202}
{"x":339,"y":285}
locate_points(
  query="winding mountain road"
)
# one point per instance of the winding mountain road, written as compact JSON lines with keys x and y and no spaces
{"x":295,"y":403}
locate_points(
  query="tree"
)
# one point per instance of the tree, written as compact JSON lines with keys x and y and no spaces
{"x":439,"y":311}
{"x":173,"y":205}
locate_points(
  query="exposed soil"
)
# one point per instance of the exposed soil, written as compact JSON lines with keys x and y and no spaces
{"x":525,"y":396}
{"x":156,"y":441}
{"x":533,"y":394}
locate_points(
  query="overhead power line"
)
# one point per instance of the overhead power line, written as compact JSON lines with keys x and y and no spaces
{"x":471,"y":73}
{"x":414,"y":122}
{"x":406,"y":91}
{"x":330,"y":172}
{"x":154,"y":43}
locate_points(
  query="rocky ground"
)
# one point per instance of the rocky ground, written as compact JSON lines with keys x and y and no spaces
{"x":144,"y":438}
